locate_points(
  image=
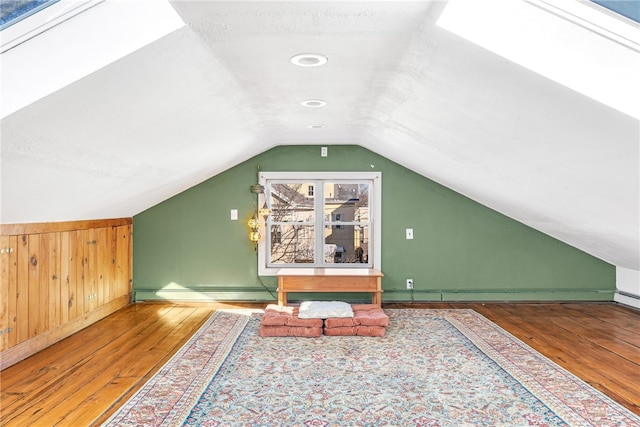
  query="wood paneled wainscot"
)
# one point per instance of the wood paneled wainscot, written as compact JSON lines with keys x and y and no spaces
{"x":57,"y":278}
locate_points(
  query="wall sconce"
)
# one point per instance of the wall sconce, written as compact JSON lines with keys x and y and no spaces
{"x":264,"y":211}
{"x":254,"y":229}
{"x":257,"y":189}
{"x":254,"y":223}
{"x":255,"y":236}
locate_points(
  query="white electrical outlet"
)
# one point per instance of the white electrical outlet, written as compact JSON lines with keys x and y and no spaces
{"x":234,"y":214}
{"x":324,"y":151}
{"x":409,"y":283}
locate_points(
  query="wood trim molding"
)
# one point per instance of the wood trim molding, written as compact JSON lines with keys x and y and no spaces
{"x":49,"y":227}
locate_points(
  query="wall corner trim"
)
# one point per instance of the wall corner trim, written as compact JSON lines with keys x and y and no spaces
{"x":627,"y":287}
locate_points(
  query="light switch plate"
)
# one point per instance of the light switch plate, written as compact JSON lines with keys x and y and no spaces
{"x":324,"y":151}
{"x":234,"y":214}
{"x":409,"y":233}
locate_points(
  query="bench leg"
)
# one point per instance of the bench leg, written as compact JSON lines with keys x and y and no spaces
{"x":376,"y":298}
{"x":282,"y":298}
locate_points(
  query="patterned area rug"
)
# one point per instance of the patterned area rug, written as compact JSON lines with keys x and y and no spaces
{"x":433,"y":368}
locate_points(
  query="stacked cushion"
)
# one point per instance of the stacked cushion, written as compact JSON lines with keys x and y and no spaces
{"x":363,"y":331}
{"x":280,"y":321}
{"x":368,"y":320}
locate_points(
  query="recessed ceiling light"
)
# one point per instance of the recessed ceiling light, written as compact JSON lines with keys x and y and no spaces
{"x":314,"y":103}
{"x":316,"y":126}
{"x":309,"y":60}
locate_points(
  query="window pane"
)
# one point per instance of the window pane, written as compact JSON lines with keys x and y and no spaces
{"x":15,"y":11}
{"x":292,"y":244}
{"x":346,"y":244}
{"x":346,"y":214}
{"x":346,"y":202}
{"x":291,"y":202}
{"x":628,"y":8}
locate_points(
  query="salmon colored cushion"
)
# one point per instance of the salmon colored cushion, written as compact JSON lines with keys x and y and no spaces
{"x":340,"y":322}
{"x":363,"y":315}
{"x":363,"y":331}
{"x":370,"y":331}
{"x":341,"y":331}
{"x":275,"y":315}
{"x":288,"y":331}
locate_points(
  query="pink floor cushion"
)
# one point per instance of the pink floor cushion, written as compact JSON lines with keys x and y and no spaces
{"x":364,"y":331}
{"x":370,"y":315}
{"x":363,"y":315}
{"x":289,"y":331}
{"x":275,"y":315}
{"x":370,"y":331}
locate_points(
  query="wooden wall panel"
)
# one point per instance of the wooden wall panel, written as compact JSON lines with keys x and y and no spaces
{"x":65,"y":258}
{"x":13,"y":290}
{"x":90,"y":270}
{"x":124,"y":260}
{"x":58,"y":278}
{"x":33,"y":308}
{"x":53,"y":263}
{"x":12,"y":284}
{"x":22,"y":295}
{"x":81,"y":247}
{"x":4,"y":292}
{"x":103,"y":261}
{"x":113,"y":259}
{"x":43,"y":284}
{"x":72,"y":276}
{"x":7,"y":290}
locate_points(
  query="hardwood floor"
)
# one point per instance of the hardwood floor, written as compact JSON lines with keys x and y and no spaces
{"x":80,"y":381}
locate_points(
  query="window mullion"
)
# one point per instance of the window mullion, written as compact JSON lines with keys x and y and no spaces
{"x":320,"y":221}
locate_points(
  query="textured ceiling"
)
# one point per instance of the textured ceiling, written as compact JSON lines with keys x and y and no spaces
{"x":221,"y":89}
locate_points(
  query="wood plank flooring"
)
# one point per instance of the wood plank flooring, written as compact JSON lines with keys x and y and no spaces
{"x":80,"y":381}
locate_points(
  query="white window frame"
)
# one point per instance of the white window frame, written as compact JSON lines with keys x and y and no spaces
{"x":375,"y":213}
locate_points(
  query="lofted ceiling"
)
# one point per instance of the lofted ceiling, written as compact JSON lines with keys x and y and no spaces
{"x":145,"y":121}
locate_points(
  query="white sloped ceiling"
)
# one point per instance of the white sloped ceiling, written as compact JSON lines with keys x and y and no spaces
{"x":221,"y":89}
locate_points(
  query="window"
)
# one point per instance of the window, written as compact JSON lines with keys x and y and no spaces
{"x":22,"y":20}
{"x":16,"y":11}
{"x":629,"y":8}
{"x":276,"y":236}
{"x":320,"y":220}
{"x":337,"y":218}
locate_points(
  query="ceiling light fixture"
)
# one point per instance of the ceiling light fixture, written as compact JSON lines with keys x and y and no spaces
{"x":309,"y":60}
{"x":314,"y":103}
{"x":320,"y":126}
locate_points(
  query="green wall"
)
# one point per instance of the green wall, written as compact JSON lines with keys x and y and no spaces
{"x":188,"y":248}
